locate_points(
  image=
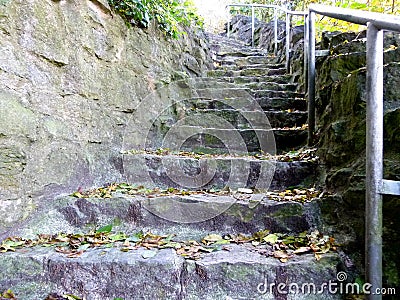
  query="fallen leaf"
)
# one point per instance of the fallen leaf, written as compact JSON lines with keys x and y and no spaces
{"x":105,"y":229}
{"x":302,"y":250}
{"x":271,"y":238}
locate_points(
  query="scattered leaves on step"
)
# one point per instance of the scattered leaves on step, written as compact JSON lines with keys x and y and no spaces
{"x":8,"y":294}
{"x":299,"y":155}
{"x":124,"y":188}
{"x":283,"y":256}
{"x":302,"y":154}
{"x":297,"y":195}
{"x":303,"y":127}
{"x":278,"y":245}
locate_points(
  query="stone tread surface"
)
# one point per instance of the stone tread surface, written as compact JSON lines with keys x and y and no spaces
{"x":241,"y":172}
{"x":104,"y":274}
{"x":209,"y":213}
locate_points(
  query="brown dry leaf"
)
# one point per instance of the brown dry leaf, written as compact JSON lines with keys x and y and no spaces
{"x":302,"y":250}
{"x":282,"y":255}
{"x":75,"y":254}
{"x":314,"y":247}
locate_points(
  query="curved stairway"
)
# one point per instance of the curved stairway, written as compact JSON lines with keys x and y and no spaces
{"x":232,"y":135}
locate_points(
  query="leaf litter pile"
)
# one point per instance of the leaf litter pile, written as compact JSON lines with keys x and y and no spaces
{"x":278,"y":245}
{"x":305,"y":154}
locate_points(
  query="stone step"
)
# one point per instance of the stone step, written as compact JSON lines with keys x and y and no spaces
{"x":265,"y":103}
{"x":232,"y":61}
{"x":189,"y":136}
{"x":283,"y":79}
{"x":231,"y":92}
{"x":239,"y":272}
{"x":242,"y":52}
{"x":244,"y":61}
{"x":183,"y":172}
{"x":249,"y":60}
{"x":187,"y":217}
{"x":254,"y":72}
{"x":253,"y":66}
{"x":223,"y":40}
{"x":231,"y":47}
{"x":242,"y":119}
{"x":255,"y":86}
{"x":276,"y":94}
{"x":275,"y":103}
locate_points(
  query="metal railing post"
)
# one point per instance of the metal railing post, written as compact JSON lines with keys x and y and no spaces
{"x":287,"y":30}
{"x":374,"y":160}
{"x":275,"y":32}
{"x":228,"y":29}
{"x":252,"y":25}
{"x":311,"y":77}
{"x":305,"y":63}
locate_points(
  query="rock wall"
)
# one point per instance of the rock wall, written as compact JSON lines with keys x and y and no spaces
{"x":71,"y":75}
{"x":341,"y":129}
{"x":341,"y":117}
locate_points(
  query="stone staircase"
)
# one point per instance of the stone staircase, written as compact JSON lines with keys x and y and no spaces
{"x":205,"y":160}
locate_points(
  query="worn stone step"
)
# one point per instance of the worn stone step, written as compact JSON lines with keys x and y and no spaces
{"x":254,"y":86}
{"x":226,"y":138}
{"x":283,"y":79}
{"x":242,"y":119}
{"x":250,"y":60}
{"x":275,"y":103}
{"x":254,"y":66}
{"x":218,"y":40}
{"x":239,"y":63}
{"x":276,"y":94}
{"x":231,"y":92}
{"x":241,"y":52}
{"x":244,"y":61}
{"x":108,"y":273}
{"x":218,"y":172}
{"x":187,"y":217}
{"x":226,"y":43}
{"x":265,"y":103}
{"x":255,"y":72}
{"x":260,"y":71}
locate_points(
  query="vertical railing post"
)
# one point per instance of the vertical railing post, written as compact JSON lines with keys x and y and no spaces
{"x":275,"y":31}
{"x":287,"y":30}
{"x":311,"y":77}
{"x":305,"y":48}
{"x":228,"y":29}
{"x":252,"y":25}
{"x":374,"y":160}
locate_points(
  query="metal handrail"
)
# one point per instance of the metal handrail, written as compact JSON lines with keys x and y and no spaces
{"x":376,"y":186}
{"x":287,"y":22}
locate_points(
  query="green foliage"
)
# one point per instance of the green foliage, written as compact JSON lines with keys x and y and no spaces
{"x":329,"y":24}
{"x":169,"y":14}
{"x":325,"y":23}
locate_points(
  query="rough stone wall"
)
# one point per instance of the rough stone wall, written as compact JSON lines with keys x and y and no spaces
{"x":71,"y":75}
{"x":341,"y":119}
{"x":341,"y":123}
